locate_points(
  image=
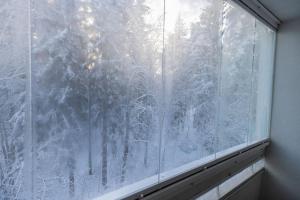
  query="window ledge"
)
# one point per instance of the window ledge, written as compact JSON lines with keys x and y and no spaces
{"x":207,"y":172}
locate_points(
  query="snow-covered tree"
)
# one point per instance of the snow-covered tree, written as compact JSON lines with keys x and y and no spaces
{"x":118,"y":91}
{"x":59,"y":96}
{"x":193,"y":61}
{"x":236,"y":76}
{"x":14,"y":62}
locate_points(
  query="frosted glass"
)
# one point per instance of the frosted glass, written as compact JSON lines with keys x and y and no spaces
{"x":100,"y":99}
{"x":192,"y":61}
{"x":263,"y":81}
{"x":14,"y":63}
{"x":236,"y":76}
{"x":95,"y":88}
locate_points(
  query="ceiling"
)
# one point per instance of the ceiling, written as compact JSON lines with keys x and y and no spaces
{"x":284,"y":9}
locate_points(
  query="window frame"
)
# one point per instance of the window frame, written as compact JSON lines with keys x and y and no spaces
{"x":205,"y":177}
{"x":197,"y":181}
{"x":260,"y":12}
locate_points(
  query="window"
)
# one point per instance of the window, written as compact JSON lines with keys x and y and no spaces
{"x":100,"y":99}
{"x":234,"y":181}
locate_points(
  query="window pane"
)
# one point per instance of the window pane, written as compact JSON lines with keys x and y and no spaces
{"x":95,"y":69}
{"x":59,"y":115}
{"x":236,"y":76}
{"x":192,"y":53}
{"x":106,"y":97}
{"x":262,"y":82}
{"x":14,"y":63}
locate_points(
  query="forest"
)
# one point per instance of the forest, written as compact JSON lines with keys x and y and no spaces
{"x":96,"y":95}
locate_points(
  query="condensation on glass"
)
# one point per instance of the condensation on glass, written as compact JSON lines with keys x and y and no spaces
{"x":14,"y":64}
{"x":100,"y":99}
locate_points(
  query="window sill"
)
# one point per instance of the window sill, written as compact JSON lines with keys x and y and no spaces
{"x":222,"y":165}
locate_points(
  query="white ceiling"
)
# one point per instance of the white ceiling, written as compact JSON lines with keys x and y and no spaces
{"x":284,"y":9}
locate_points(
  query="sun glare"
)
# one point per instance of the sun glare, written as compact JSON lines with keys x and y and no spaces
{"x":189,"y":13}
{"x":172,"y":14}
{"x":89,"y":21}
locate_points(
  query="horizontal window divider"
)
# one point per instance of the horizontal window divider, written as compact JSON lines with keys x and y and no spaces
{"x":256,"y":8}
{"x":203,"y":178}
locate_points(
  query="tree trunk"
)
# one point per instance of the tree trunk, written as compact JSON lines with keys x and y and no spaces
{"x":104,"y":153}
{"x":126,"y":146}
{"x":71,"y":183}
{"x":104,"y":130}
{"x":89,"y":127}
{"x":146,"y":154}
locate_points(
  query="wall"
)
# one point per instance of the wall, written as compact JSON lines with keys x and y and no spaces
{"x":282,"y":179}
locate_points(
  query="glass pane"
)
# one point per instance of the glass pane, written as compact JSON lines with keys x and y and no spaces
{"x":123,"y":93}
{"x":14,"y":63}
{"x":192,"y":61}
{"x":59,"y":102}
{"x":262,"y":84}
{"x":236,"y":77}
{"x":96,"y":76}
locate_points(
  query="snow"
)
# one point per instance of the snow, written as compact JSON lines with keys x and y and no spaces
{"x":95,"y":99}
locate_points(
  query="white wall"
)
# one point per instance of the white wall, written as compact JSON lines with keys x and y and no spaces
{"x":282,"y":180}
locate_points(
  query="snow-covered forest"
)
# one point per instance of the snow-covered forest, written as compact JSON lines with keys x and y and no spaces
{"x":96,"y":95}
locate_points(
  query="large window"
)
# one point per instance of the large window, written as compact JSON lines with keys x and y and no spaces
{"x":101,"y":98}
